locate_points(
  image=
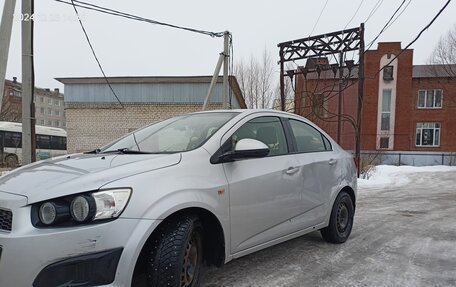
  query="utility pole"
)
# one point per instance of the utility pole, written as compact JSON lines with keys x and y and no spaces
{"x":226,"y":52}
{"x":282,"y":81}
{"x":223,"y":59}
{"x":341,"y":86}
{"x":5,"y":39}
{"x":360,"y":100}
{"x":214,"y":81}
{"x":28,"y":109}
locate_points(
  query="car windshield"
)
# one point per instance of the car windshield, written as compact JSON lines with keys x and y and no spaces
{"x":177,"y":134}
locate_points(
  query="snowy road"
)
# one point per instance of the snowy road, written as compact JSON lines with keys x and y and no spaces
{"x":404,"y":235}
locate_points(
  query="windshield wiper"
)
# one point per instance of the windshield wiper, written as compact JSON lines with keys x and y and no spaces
{"x":128,"y":151}
{"x":95,"y":151}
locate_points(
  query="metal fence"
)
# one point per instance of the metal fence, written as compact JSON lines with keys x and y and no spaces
{"x":409,"y":158}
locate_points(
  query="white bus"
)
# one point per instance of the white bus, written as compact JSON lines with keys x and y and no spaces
{"x":50,"y":142}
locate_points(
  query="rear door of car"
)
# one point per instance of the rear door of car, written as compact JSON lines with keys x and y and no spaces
{"x":317,"y":163}
{"x":264,"y":198}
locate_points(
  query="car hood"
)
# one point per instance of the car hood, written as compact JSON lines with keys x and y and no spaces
{"x":79,"y":173}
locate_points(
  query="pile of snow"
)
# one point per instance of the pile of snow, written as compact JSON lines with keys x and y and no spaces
{"x":3,"y":172}
{"x":390,"y":175}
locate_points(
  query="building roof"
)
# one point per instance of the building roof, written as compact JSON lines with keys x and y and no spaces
{"x":153,"y":89}
{"x":434,"y":71}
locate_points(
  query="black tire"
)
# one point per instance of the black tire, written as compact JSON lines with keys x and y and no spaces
{"x":11,"y":161}
{"x":175,"y":255}
{"x":341,"y":220}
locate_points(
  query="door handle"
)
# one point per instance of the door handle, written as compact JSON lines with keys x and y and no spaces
{"x":332,"y":161}
{"x":292,"y":170}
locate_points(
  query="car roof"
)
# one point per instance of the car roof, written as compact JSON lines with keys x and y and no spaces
{"x":247,"y":111}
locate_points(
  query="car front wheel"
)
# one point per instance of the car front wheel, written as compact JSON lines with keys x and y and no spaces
{"x":175,"y":257}
{"x":341,"y":220}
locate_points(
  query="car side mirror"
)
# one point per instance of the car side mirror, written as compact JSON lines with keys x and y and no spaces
{"x":245,"y":148}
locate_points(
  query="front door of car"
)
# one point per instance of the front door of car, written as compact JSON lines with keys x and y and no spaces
{"x":264,"y":199}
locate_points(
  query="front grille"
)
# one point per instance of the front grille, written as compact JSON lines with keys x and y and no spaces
{"x":6,"y":219}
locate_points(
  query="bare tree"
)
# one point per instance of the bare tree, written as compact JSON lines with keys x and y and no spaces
{"x":445,"y":53}
{"x":443,"y":61}
{"x":289,"y":92}
{"x":256,"y":80}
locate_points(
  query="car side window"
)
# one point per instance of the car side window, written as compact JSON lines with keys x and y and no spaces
{"x":308,"y":139}
{"x":268,"y":130}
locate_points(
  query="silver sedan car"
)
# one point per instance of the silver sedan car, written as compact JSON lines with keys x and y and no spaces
{"x":153,"y":206}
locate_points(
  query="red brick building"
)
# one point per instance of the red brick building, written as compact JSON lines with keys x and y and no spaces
{"x":406,"y":107}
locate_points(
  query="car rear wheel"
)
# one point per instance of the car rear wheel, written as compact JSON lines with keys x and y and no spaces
{"x":341,"y":220}
{"x":175,"y":257}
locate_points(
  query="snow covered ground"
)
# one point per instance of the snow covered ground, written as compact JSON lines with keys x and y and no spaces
{"x":404,"y":235}
{"x":383,"y":176}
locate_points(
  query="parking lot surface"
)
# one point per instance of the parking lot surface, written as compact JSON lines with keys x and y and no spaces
{"x":403,"y":235}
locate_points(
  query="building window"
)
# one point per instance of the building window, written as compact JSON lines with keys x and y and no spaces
{"x":57,"y":123}
{"x":49,"y":123}
{"x":384,"y":142}
{"x":41,"y":110}
{"x":428,"y":134}
{"x":57,"y":102}
{"x":42,"y":122}
{"x":57,"y":113}
{"x":49,"y":111}
{"x":428,"y":99}
{"x":388,"y":73}
{"x":386,"y":110}
{"x":50,"y":101}
{"x":41,"y":99}
{"x":63,"y":124}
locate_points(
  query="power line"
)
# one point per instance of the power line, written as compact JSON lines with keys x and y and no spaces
{"x":417,"y":37}
{"x":356,"y":12}
{"x":405,"y":8}
{"x":386,"y":25}
{"x":408,"y":45}
{"x":94,"y":54}
{"x":319,"y":16}
{"x":113,"y":12}
{"x":374,"y":10}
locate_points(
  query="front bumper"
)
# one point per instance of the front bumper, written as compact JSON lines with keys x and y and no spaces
{"x":27,"y":251}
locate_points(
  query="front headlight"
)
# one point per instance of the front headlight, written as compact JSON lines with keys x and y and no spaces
{"x":81,"y":208}
{"x":110,"y":203}
{"x":51,"y":213}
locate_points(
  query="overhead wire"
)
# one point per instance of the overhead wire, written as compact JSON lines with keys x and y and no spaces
{"x":386,"y":25}
{"x":395,"y":57}
{"x":356,"y":12}
{"x":417,"y":37}
{"x":113,"y":12}
{"x":374,"y":10}
{"x":405,"y":48}
{"x":95,"y":55}
{"x":399,"y":15}
{"x":319,"y":16}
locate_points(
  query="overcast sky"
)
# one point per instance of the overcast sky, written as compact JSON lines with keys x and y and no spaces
{"x":130,"y":48}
